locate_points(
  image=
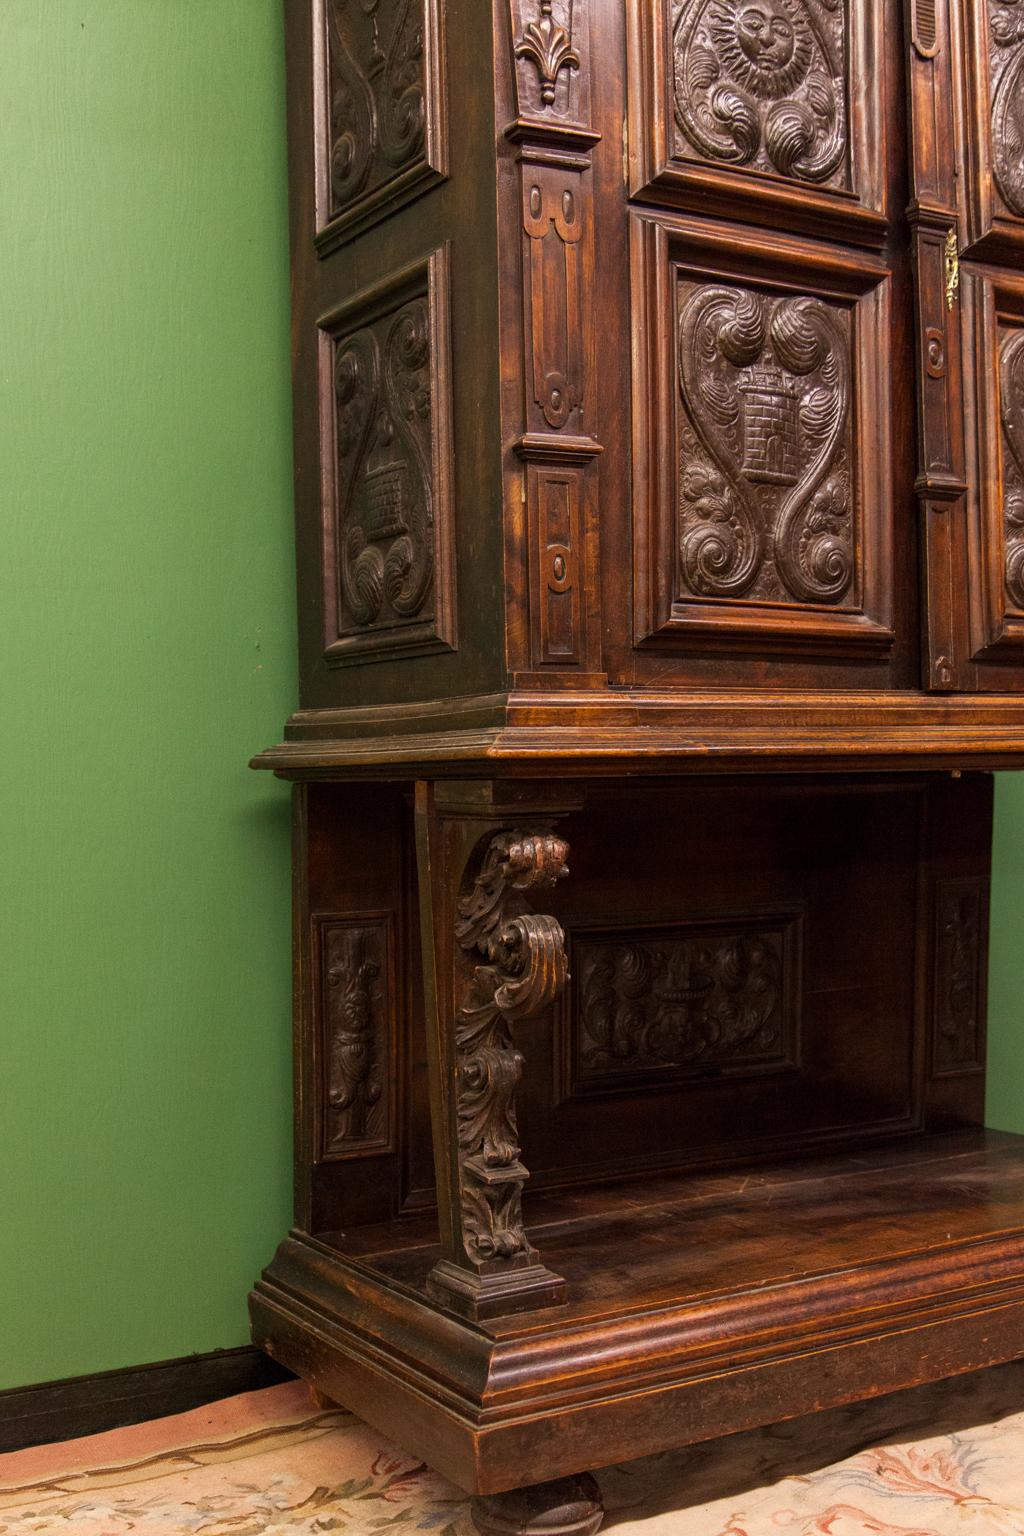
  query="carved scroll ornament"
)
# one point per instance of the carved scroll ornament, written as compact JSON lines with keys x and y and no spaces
{"x":1006,"y":70}
{"x":377,"y":92}
{"x":524,"y":970}
{"x":385,"y":515}
{"x":1012,"y":412}
{"x":760,"y":83}
{"x":765,"y":503}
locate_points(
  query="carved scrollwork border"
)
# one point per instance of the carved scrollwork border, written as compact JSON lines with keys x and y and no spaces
{"x":381,"y":122}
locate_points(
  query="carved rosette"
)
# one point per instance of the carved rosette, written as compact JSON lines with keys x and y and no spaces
{"x":765,"y":508}
{"x":1006,"y":72}
{"x":523,"y":971}
{"x":1012,"y":416}
{"x":761,"y":84}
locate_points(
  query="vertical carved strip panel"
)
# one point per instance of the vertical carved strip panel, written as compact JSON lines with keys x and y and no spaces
{"x":386,"y":410}
{"x":381,"y":130}
{"x":355,"y":1006}
{"x":553,"y":494}
{"x":1011,"y":358}
{"x":556,"y":441}
{"x":957,"y":1026}
{"x":553,"y":298}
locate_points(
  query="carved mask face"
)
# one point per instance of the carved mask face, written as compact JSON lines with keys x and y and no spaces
{"x":764,"y":45}
{"x":766,"y":35}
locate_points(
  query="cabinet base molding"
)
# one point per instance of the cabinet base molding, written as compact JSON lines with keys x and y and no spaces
{"x":752,"y":1297}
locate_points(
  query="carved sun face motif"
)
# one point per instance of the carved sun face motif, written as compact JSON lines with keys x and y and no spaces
{"x":764,"y":45}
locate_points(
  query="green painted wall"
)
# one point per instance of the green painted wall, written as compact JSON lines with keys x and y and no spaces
{"x":1006,"y":972}
{"x":146,"y":617}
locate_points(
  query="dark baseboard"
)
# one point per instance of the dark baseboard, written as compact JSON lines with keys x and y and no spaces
{"x":85,"y":1405}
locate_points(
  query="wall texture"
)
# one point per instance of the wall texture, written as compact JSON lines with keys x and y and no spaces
{"x":1006,"y":975}
{"x":146,"y":616}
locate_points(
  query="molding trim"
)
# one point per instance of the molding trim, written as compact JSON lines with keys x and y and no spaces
{"x":87,"y":1405}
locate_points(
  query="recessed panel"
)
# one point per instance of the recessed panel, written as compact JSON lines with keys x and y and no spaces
{"x":994,"y":34}
{"x":656,"y":1006}
{"x":380,"y":103}
{"x":993,"y":309}
{"x":758,"y":104}
{"x":762,"y":436}
{"x":386,"y":445}
{"x":763,"y":84}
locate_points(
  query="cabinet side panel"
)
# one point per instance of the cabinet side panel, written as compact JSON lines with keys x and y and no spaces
{"x":359,"y":1068}
{"x":395,"y":370}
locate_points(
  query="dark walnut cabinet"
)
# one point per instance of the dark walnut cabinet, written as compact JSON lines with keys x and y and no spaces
{"x":659,"y":449}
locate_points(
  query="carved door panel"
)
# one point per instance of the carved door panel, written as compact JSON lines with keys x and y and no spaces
{"x":991,"y":306}
{"x":762,"y":443}
{"x":763,"y":109}
{"x":992,"y":41}
{"x":772,"y":519}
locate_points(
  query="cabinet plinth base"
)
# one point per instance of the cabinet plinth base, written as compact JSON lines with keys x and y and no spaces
{"x":483,"y":1296}
{"x":749,"y":1297}
{"x":569,"y":1506}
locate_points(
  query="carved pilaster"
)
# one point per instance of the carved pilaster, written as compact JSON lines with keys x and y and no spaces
{"x":490,"y":964}
{"x":554,"y":432}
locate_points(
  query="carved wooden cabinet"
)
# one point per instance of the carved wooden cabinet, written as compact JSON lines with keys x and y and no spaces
{"x":659,"y":446}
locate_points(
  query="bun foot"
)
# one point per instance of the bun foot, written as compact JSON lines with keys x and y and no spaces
{"x":569,"y":1506}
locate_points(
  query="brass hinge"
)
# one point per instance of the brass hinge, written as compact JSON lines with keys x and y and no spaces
{"x":625,"y":152}
{"x":952,"y":268}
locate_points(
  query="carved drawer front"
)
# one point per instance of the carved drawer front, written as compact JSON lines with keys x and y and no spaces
{"x":381,"y":135}
{"x":994,"y":37}
{"x":355,"y":1004}
{"x":762,"y":109}
{"x":684,"y":1002}
{"x":386,"y":425}
{"x":994,"y":321}
{"x":761,"y":443}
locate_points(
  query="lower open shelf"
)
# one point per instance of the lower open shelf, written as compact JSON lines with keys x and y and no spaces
{"x":695,"y":1306}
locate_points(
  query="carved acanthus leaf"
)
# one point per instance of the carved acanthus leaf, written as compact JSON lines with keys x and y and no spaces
{"x":524,"y":970}
{"x":549,"y":48}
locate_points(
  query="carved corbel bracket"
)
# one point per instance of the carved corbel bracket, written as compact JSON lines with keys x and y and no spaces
{"x":508,"y":963}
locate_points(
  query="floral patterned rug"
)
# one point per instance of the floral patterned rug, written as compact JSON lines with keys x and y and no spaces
{"x":932,"y":1462}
